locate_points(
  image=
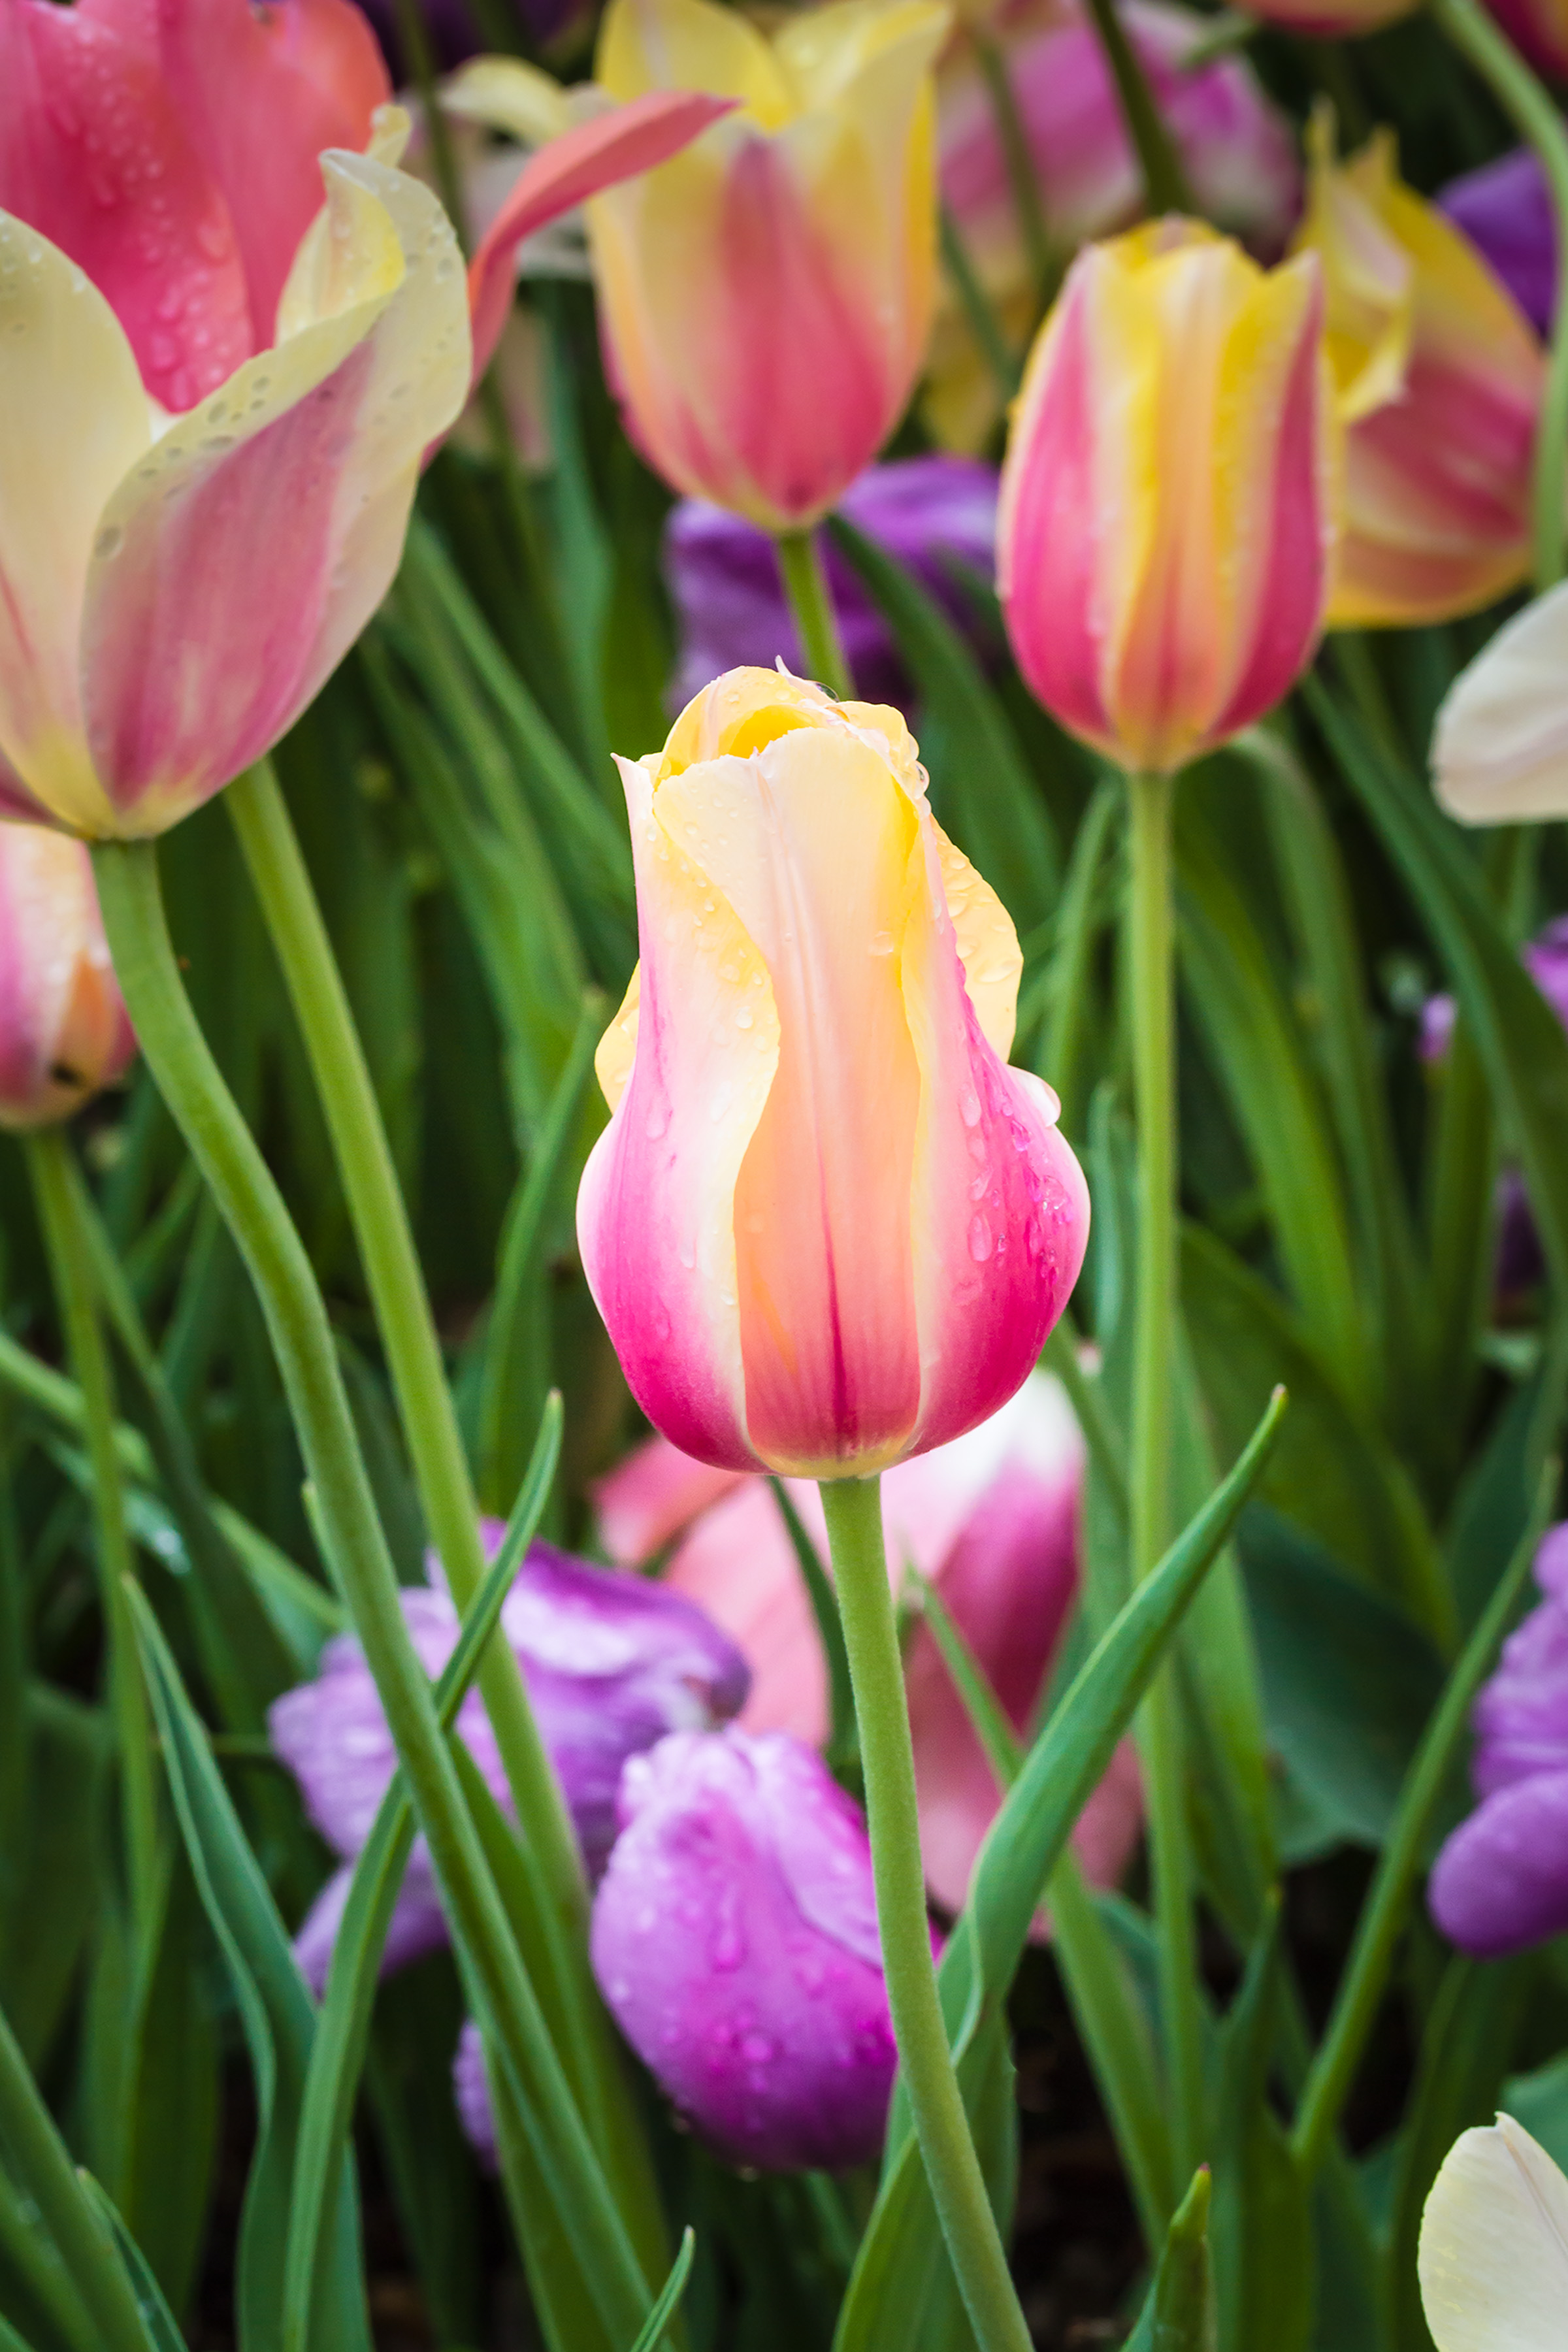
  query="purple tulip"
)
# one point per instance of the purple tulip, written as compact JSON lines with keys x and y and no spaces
{"x":611,"y":1664}
{"x":1505,"y":210}
{"x":724,"y":574}
{"x":1500,"y":1881}
{"x":734,"y":1939}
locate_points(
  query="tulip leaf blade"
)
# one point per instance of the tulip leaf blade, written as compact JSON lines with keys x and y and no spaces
{"x":1179,"y":2314}
{"x":674,"y":2287}
{"x":844,"y":1742}
{"x":163,"y":2334}
{"x":887,"y":2290}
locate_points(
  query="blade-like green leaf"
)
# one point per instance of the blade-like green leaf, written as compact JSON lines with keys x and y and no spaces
{"x":163,"y":2334}
{"x":844,"y":1741}
{"x":669,"y":2295}
{"x":1179,"y":2314}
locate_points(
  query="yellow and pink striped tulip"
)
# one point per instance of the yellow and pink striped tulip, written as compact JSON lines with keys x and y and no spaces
{"x":766,"y":296}
{"x":1167,"y":498}
{"x":1439,"y":378}
{"x":828,"y":1227}
{"x":64,"y":1030}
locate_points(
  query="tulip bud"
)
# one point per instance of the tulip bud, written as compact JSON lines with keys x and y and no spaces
{"x":734,"y":1939}
{"x":1167,"y":502}
{"x":1438,"y":379}
{"x":1238,"y":150}
{"x":766,"y":296}
{"x":64,"y":1031}
{"x":827,"y":1226}
{"x":612,"y":1663}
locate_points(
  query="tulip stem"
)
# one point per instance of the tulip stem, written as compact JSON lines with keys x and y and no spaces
{"x":71,"y":1268}
{"x":853,"y":1508}
{"x":811,"y":602}
{"x":1165,"y":188}
{"x":1149,"y":974}
{"x":1524,"y":98}
{"x":193,"y":1089}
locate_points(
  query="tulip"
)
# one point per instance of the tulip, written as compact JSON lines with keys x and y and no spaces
{"x":827,"y":1225}
{"x":1167,"y":497}
{"x":1237,"y":149}
{"x":1493,"y":2252}
{"x":725,"y":576}
{"x":734,"y":1939}
{"x":1505,"y":209}
{"x":766,"y":296}
{"x":64,"y":1032}
{"x":1438,"y":378}
{"x":1500,"y":749}
{"x":991,"y":1521}
{"x":612,"y":1663}
{"x":1500,"y":1881}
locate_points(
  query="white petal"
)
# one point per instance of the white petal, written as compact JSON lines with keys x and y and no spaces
{"x":1493,"y":2257}
{"x":1499,"y":750}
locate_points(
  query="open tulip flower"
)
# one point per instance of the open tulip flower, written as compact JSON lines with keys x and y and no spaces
{"x":63,"y":1028}
{"x":828,"y":1227}
{"x":766,"y":296}
{"x":1439,"y":377}
{"x":1493,"y":2252}
{"x":1167,"y":497}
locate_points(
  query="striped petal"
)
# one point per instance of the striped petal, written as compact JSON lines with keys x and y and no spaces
{"x":235,"y":566}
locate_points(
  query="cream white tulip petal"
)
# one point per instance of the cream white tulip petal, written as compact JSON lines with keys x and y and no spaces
{"x":1493,"y":2256}
{"x":1500,"y":751}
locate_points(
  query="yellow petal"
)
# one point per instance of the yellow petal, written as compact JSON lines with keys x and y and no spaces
{"x":988,"y":945}
{"x":690,"y":45}
{"x":506,"y":95}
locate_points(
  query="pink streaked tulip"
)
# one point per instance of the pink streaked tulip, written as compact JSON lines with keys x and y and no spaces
{"x":1167,"y":497}
{"x":828,"y":1227}
{"x":991,"y":1521}
{"x":1439,"y":378}
{"x":64,"y":1031}
{"x":766,"y":298}
{"x":1237,"y":149}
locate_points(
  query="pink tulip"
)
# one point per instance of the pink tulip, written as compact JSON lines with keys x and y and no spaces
{"x":64,"y":1032}
{"x":991,"y":1521}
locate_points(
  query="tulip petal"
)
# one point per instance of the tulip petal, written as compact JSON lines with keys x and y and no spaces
{"x":589,"y":157}
{"x":988,"y":945}
{"x":650,"y":1497}
{"x":238,"y":564}
{"x":266,"y":91}
{"x":1493,"y":2256}
{"x":654,"y":1211}
{"x":1500,"y":749}
{"x":96,"y":155}
{"x":416,"y":1927}
{"x":1498,"y":1886}
{"x":75,"y":417}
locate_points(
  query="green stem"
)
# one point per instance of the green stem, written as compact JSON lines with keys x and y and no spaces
{"x":1165,"y":186}
{"x":978,"y":308}
{"x":204,"y":1109}
{"x":1149,"y":974}
{"x":70,"y":1267}
{"x":806,"y":586}
{"x":853,"y":1508}
{"x":1023,"y":180}
{"x":1382,"y":1913}
{"x":1533,"y":112}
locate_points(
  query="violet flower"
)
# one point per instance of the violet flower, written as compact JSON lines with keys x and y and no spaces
{"x":611,"y":1664}
{"x":1505,"y":210}
{"x":1500,"y":1881}
{"x":724,"y":573}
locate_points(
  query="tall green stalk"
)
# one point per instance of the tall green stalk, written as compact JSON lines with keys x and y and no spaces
{"x":1150,"y":966}
{"x":193,"y":1088}
{"x":853,"y":1507}
{"x":70,"y":1267}
{"x":806,"y":586}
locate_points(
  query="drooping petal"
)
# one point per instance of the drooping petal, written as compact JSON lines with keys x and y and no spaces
{"x":1499,"y":750}
{"x":655,"y":1212}
{"x":96,"y":155}
{"x":73,"y":419}
{"x":1493,"y":2254}
{"x":235,"y":566}
{"x":587,"y":158}
{"x":265,"y":93}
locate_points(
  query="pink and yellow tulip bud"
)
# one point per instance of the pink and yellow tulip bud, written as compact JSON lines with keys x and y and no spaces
{"x":1438,"y":379}
{"x":828,"y":1227}
{"x":64,"y":1031}
{"x":1167,"y":498}
{"x":766,"y":296}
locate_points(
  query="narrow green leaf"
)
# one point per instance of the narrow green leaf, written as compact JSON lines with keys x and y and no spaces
{"x":843,"y":1745}
{"x":1179,"y":2314}
{"x":673,"y":2289}
{"x":1262,"y":2219}
{"x":163,"y":2334}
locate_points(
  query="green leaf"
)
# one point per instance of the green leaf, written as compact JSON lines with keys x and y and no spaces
{"x":1179,"y":2314}
{"x":844,"y":1740}
{"x":163,"y":2334}
{"x":1025,"y":1841}
{"x":1261,"y":2218}
{"x":59,"y":1883}
{"x":671,"y":2294}
{"x":278,"y":2016}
